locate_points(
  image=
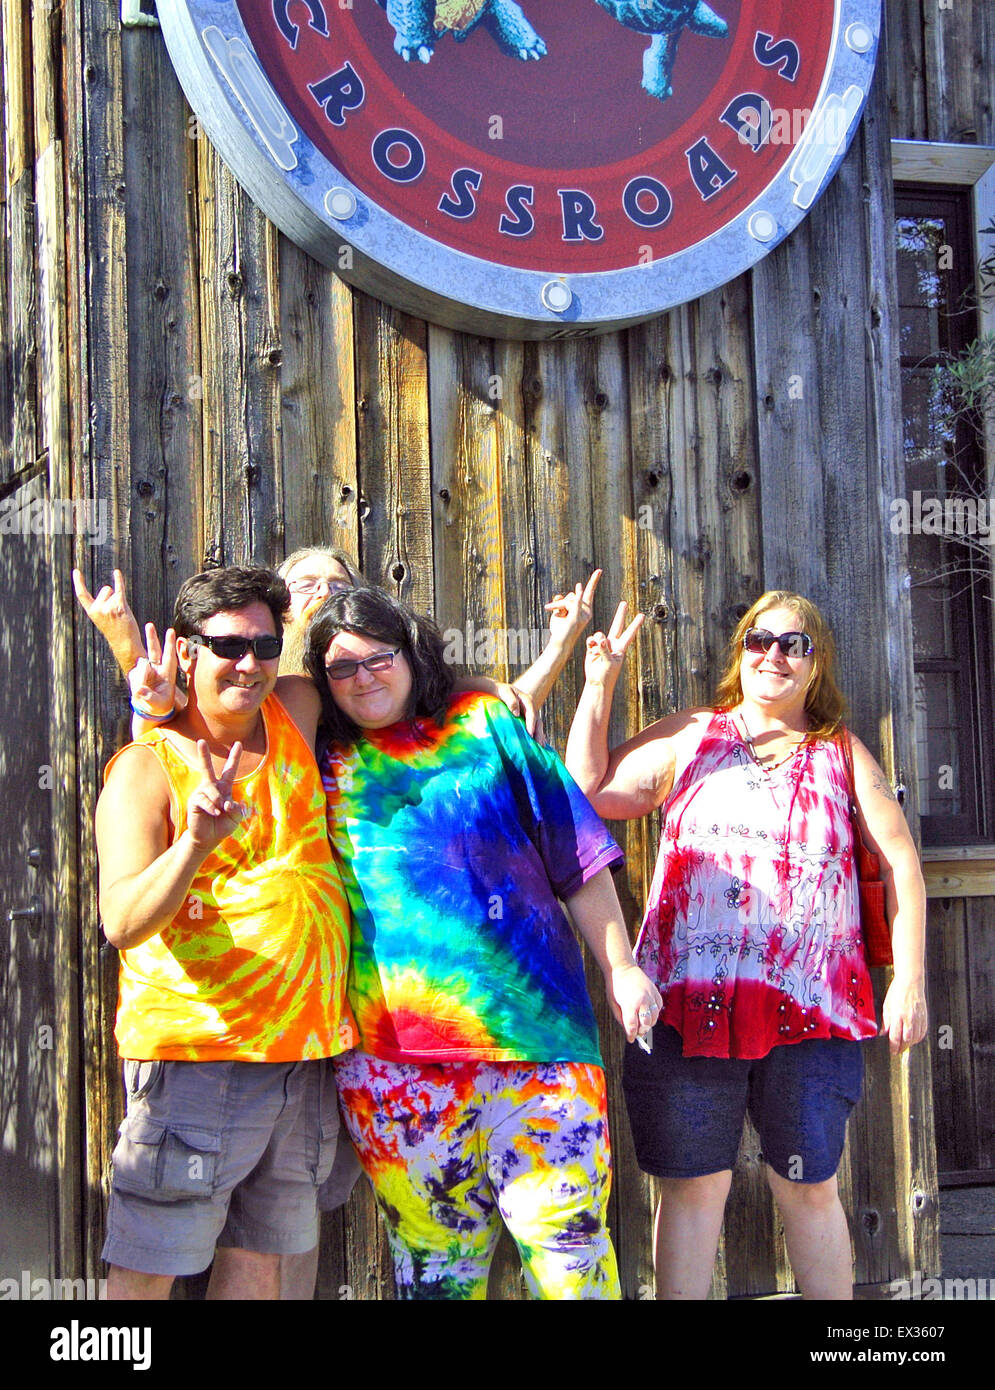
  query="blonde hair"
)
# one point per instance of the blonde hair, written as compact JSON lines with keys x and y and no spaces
{"x":825,"y":703}
{"x":325,"y":552}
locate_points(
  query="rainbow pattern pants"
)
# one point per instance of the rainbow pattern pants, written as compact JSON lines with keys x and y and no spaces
{"x":454,"y":1149}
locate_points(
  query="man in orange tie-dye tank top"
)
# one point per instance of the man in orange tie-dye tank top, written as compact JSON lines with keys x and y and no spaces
{"x":218,"y":886}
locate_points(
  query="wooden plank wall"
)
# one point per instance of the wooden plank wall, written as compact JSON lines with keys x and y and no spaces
{"x":232,"y":400}
{"x":947,"y":94}
{"x":35,"y":455}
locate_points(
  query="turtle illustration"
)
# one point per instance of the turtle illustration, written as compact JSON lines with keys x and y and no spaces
{"x":666,"y":22}
{"x":417,"y":25}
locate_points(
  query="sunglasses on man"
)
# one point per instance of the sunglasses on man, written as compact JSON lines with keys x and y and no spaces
{"x":234,"y":648}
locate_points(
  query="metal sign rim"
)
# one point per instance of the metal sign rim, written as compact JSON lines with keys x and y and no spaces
{"x":503,"y":301}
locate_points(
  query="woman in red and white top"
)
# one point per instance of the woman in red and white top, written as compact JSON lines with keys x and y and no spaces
{"x":752,"y":934}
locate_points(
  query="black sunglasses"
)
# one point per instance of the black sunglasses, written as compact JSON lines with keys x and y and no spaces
{"x":797,"y":644}
{"x":379,"y":661}
{"x":234,"y":648}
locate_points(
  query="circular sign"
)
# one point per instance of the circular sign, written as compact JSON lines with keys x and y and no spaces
{"x":543,"y":169}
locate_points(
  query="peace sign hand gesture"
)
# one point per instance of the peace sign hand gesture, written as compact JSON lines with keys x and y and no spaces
{"x":605,"y":654}
{"x":153,"y":678}
{"x":211,"y":813}
{"x":569,"y":614}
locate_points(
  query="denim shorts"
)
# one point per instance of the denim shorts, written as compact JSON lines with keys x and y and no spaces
{"x":219,"y":1153}
{"x":687,"y":1113}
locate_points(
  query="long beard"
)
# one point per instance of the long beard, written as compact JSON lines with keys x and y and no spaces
{"x":294,"y":646}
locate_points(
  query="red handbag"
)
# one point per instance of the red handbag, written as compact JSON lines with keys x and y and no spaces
{"x":873,"y":914}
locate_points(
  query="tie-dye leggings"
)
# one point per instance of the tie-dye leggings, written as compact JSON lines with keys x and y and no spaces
{"x":453,"y":1149}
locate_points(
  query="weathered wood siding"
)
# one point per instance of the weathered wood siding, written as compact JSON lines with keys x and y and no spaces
{"x":231,"y":400}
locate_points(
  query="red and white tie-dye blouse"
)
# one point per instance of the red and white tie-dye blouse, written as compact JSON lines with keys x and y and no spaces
{"x":752,"y":929}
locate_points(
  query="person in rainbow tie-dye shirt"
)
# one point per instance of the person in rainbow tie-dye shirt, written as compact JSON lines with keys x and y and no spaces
{"x":476,"y":1095}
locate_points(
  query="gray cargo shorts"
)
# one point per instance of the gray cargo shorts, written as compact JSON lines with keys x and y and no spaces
{"x":219,"y":1153}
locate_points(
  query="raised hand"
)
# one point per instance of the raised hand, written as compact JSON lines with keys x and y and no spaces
{"x":605,"y":653}
{"x":569,"y":614}
{"x":212,"y":815}
{"x":112,"y":617}
{"x":153,"y":678}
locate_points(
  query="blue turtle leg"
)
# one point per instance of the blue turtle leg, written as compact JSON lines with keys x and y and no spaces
{"x":658,"y":64}
{"x":411,"y":21}
{"x":704,"y":20}
{"x":512,"y":32}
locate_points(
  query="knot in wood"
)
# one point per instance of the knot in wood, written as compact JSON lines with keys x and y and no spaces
{"x":236,"y":283}
{"x":871,"y":1221}
{"x":659,"y":612}
{"x":275,"y":356}
{"x":714,"y":375}
{"x":445,"y":495}
{"x":160,"y":290}
{"x":144,"y":488}
{"x":741,"y":480}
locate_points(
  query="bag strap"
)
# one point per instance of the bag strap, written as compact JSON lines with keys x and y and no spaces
{"x":868,"y":861}
{"x":848,"y":760}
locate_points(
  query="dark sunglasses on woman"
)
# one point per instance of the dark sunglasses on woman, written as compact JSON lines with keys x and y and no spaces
{"x":797,"y":644}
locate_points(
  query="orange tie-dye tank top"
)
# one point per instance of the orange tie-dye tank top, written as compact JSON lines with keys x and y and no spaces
{"x":254,"y":966}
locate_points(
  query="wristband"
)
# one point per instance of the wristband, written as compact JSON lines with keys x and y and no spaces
{"x":152,"y":718}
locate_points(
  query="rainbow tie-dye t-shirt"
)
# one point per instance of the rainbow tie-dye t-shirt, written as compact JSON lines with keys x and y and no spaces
{"x":455,"y":844}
